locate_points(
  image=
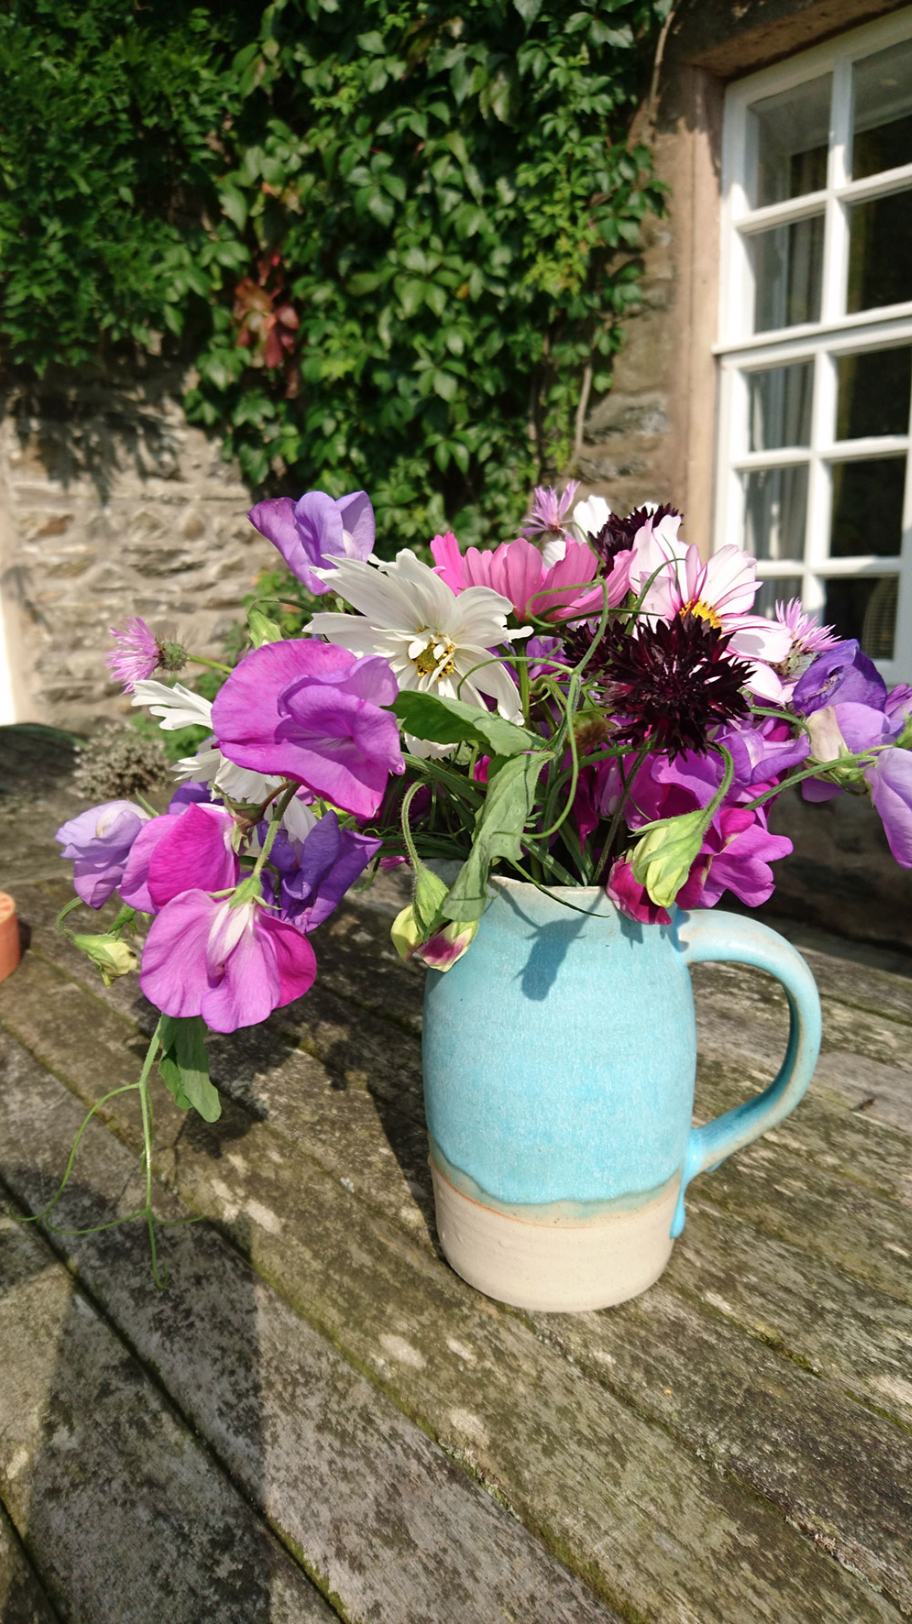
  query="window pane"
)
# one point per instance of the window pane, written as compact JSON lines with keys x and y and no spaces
{"x":873,"y":395}
{"x":867,"y":508}
{"x":773,"y":590}
{"x":788,"y":263}
{"x":780,"y":406}
{"x":775,"y":507}
{"x":866,"y":609}
{"x":883,"y":111}
{"x":792,"y":135}
{"x":880,"y":252}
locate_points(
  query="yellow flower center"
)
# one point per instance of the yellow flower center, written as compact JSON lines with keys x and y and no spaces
{"x":435,"y":659}
{"x":702,"y":611}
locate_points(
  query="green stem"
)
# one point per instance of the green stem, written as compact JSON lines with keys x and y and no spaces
{"x":216,"y":665}
{"x":523,"y":674}
{"x":627,"y":782}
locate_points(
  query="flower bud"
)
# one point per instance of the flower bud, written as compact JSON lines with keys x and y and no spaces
{"x":112,"y":956}
{"x":663,"y":857}
{"x":442,"y":950}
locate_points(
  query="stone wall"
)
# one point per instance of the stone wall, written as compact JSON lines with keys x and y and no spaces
{"x":111,"y":504}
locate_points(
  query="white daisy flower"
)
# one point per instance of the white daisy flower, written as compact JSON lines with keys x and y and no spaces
{"x":435,"y":640}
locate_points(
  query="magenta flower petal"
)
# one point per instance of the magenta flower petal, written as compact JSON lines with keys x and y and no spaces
{"x":294,"y":958}
{"x":134,"y":887}
{"x":301,"y":709}
{"x":195,"y":853}
{"x":232,"y":966}
{"x":174,"y":975}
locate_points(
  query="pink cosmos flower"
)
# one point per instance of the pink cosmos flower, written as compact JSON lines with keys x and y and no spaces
{"x":518,"y":572}
{"x":312,"y":711}
{"x":136,"y":654}
{"x":722,"y":591}
{"x":175,"y":853}
{"x":233,"y":965}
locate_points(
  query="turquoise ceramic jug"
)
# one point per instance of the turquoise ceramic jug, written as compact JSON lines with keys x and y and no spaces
{"x":559,"y":1063}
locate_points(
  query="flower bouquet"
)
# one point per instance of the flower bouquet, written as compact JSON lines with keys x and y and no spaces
{"x":589,"y":715}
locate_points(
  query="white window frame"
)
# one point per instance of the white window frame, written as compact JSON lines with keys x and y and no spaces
{"x":740,"y":351}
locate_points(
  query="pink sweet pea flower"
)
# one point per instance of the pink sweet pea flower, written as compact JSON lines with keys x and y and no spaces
{"x":518,"y":572}
{"x":172,"y":854}
{"x":735,"y":856}
{"x":311,"y":711}
{"x":631,"y":897}
{"x":233,"y":965}
{"x":313,"y":532}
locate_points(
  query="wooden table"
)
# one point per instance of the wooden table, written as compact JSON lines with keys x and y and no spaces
{"x":318,"y":1419}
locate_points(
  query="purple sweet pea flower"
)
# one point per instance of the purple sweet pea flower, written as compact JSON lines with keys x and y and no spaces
{"x":232,"y":965}
{"x":314,"y":531}
{"x":312,"y":712}
{"x":99,"y":842}
{"x":890,"y":779}
{"x":840,"y":675}
{"x":320,"y":872}
{"x":762,"y":753}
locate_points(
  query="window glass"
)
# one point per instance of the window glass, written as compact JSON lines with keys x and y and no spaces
{"x":883,"y":111}
{"x":867,"y":507}
{"x":864,"y":607}
{"x":776,"y":589}
{"x":775,"y":509}
{"x":788,"y":266}
{"x":873,"y":393}
{"x":780,"y":406}
{"x":880,"y":252}
{"x":791,"y":131}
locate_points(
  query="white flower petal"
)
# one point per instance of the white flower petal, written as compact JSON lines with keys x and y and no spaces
{"x":177,"y":706}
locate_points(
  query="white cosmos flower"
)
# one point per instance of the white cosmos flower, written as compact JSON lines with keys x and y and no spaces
{"x":588,"y":517}
{"x":437,"y":641}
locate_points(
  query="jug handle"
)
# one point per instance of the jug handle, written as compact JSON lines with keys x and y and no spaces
{"x":709,"y":936}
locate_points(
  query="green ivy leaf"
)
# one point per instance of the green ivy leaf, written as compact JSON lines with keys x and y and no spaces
{"x":234,"y":204}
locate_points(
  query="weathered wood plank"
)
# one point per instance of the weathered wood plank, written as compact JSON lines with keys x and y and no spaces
{"x":840,"y":1474}
{"x":127,"y":1517}
{"x":392,"y":1528}
{"x":858,"y":1339}
{"x":22,"y":1600}
{"x":576,"y":1464}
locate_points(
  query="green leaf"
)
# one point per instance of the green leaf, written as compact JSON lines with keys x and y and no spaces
{"x":498,"y":833}
{"x":184,"y":1066}
{"x":528,"y":9}
{"x":452,"y":721}
{"x":234,"y":204}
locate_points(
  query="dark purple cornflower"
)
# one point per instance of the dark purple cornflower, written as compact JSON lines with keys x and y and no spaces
{"x":669,"y":684}
{"x":617,"y":534}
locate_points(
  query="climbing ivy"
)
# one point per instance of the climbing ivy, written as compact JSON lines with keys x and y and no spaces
{"x":395,"y":242}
